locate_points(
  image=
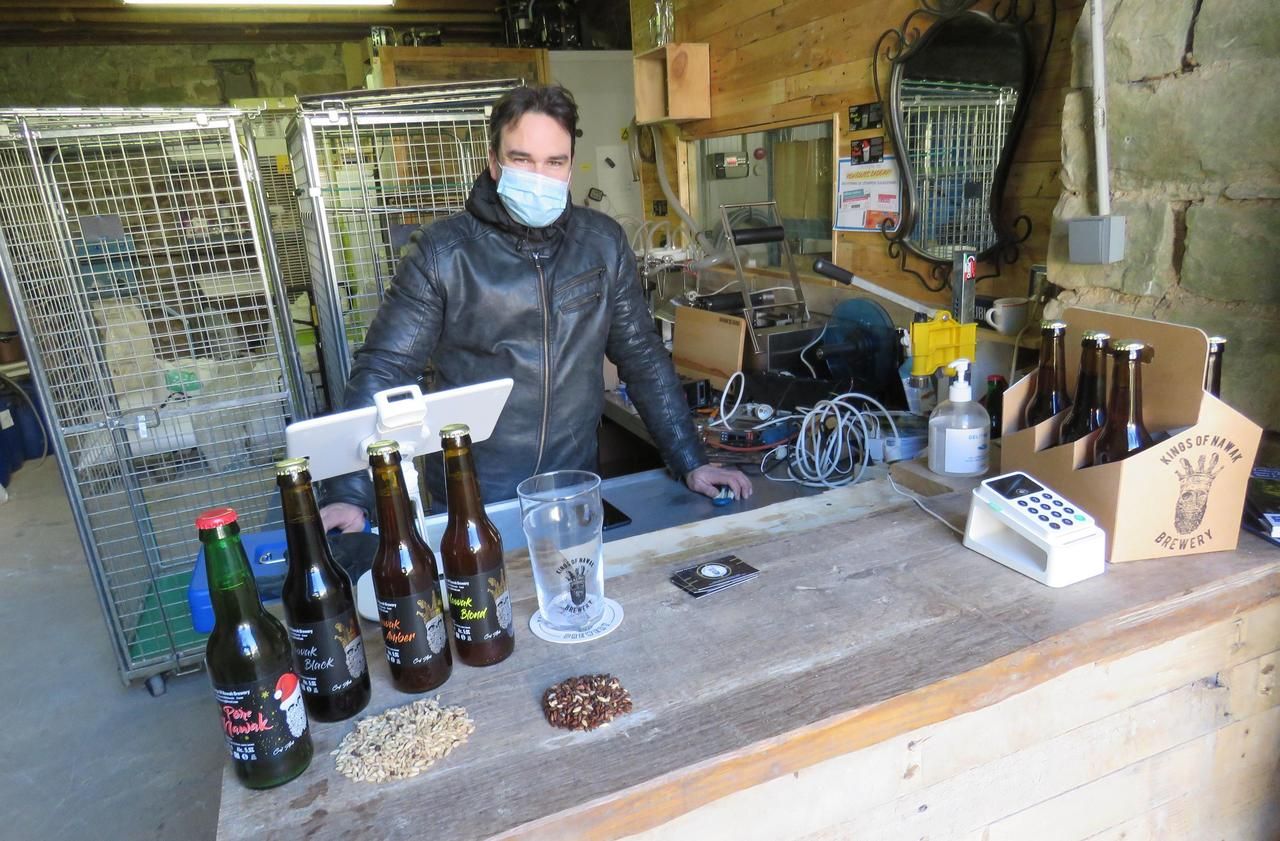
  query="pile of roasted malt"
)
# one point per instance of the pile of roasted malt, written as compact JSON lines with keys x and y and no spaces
{"x":585,"y":702}
{"x":402,"y":742}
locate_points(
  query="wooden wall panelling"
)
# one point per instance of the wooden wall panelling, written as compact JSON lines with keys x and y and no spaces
{"x":776,"y":62}
{"x":427,"y":65}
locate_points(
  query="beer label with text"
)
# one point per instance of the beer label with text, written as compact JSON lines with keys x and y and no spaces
{"x":480,"y":606}
{"x":262,"y":720}
{"x":328,"y":655}
{"x":413,"y":628}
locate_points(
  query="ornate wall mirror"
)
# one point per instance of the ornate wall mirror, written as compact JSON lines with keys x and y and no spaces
{"x":958,"y":94}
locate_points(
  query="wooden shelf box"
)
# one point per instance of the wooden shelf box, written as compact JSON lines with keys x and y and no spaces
{"x":673,"y":82}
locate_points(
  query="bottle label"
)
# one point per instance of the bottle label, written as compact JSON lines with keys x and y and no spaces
{"x":966,"y":450}
{"x":262,"y":720}
{"x":413,"y":628}
{"x":328,"y":655}
{"x":480,"y":606}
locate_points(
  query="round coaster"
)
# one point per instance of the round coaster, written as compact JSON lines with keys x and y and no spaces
{"x":610,"y":619}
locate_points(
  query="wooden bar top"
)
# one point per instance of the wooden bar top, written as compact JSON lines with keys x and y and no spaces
{"x":868,"y":619}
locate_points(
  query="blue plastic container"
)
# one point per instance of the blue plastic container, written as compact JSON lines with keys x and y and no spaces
{"x":10,"y":436}
{"x":32,"y":424}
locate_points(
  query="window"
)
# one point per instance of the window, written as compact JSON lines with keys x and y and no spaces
{"x":791,"y":166}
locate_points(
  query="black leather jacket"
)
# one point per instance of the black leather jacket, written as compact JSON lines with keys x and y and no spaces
{"x":484,"y":297}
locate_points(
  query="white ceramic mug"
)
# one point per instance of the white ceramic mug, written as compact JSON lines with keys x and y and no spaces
{"x":1008,"y":315}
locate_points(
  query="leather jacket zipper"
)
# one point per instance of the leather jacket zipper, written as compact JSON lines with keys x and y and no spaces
{"x":546,"y":359}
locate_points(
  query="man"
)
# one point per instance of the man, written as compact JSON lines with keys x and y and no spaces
{"x":526,"y":285}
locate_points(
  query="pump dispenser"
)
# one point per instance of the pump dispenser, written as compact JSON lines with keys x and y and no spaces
{"x":959,"y":428}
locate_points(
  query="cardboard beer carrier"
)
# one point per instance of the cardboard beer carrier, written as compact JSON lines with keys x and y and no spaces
{"x":1182,"y":496}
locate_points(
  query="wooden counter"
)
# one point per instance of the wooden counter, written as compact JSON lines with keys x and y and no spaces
{"x":876,"y":681}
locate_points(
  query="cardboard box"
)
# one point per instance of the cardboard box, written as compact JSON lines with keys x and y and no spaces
{"x":1182,"y":496}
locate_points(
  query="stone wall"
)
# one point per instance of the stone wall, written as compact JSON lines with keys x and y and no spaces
{"x":1194,"y":112}
{"x":177,"y":75}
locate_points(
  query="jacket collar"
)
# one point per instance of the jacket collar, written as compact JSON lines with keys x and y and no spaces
{"x":484,"y":204}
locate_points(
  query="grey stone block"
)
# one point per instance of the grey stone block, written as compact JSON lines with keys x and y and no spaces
{"x":1251,"y":364}
{"x":1241,"y":30}
{"x":1147,"y":269}
{"x":1145,"y":39}
{"x":1158,"y":139}
{"x":1232,"y":252}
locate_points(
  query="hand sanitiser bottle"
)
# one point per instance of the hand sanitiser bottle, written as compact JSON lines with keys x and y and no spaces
{"x":959,"y":429}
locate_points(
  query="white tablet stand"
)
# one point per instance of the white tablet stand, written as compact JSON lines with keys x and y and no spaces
{"x":338,"y":444}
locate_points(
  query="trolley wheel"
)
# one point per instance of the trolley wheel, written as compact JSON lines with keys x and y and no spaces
{"x":156,"y":685}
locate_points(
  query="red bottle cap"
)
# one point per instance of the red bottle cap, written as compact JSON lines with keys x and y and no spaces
{"x":215,"y":517}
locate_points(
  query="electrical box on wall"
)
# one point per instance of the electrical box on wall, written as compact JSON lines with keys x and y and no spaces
{"x":728,"y":166}
{"x":1095,"y":239}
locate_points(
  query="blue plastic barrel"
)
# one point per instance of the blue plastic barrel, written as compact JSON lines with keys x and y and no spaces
{"x":32,"y":424}
{"x":10,"y":436}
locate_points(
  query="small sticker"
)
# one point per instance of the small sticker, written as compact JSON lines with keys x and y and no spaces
{"x":6,"y":419}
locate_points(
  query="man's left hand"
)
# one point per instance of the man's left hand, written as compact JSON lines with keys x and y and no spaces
{"x":708,"y":479}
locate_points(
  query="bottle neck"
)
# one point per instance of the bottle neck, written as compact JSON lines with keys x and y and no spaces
{"x":1091,"y":388}
{"x":1126,"y":392}
{"x":302,"y":524}
{"x":1052,"y":375}
{"x":232,"y":590}
{"x":395,"y":511}
{"x":461,"y":485}
{"x":1213,"y":375}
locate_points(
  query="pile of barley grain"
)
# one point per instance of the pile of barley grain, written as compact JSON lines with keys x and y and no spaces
{"x":402,"y":742}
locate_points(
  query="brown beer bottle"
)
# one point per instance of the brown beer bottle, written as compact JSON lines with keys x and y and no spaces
{"x":1050,"y":396}
{"x":1123,"y":432}
{"x":259,"y":697}
{"x":1213,"y":372}
{"x":471,"y":549}
{"x":1089,"y":409}
{"x":319,"y":611}
{"x":405,"y":583}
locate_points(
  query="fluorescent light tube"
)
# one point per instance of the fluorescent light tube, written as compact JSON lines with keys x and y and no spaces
{"x":259,"y":3}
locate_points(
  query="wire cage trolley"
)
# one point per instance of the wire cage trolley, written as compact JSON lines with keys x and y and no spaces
{"x":372,"y":168}
{"x":134,"y":250}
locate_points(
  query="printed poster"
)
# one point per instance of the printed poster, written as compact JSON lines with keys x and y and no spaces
{"x":866,"y":194}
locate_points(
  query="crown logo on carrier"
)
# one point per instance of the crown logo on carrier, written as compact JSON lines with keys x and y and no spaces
{"x":1193,"y":492}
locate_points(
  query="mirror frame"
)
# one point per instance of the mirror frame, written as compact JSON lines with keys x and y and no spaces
{"x":897,"y":46}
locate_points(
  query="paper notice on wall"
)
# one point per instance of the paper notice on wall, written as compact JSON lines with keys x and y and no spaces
{"x":866,"y":195}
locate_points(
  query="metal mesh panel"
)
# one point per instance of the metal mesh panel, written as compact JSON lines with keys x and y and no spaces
{"x":371,"y":171}
{"x":132,"y":253}
{"x":954,"y":134}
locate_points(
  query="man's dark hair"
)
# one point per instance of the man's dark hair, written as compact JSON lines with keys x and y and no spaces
{"x":553,"y":100}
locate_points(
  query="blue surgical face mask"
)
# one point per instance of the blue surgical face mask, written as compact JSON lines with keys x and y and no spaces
{"x":532,"y":199}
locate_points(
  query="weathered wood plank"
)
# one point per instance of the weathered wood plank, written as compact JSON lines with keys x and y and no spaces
{"x":871,"y":647}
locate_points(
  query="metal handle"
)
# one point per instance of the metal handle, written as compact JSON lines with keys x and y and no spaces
{"x":832,"y":271}
{"x":756,"y":236}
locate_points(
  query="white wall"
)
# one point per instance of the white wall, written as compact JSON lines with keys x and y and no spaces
{"x":602,"y":83}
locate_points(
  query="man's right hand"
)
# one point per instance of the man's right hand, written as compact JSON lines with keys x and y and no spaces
{"x":342,"y":516}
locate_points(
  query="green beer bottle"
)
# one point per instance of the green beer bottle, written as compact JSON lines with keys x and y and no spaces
{"x":250,"y":665}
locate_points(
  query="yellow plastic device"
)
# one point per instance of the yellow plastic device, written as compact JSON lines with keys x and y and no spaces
{"x":940,"y":340}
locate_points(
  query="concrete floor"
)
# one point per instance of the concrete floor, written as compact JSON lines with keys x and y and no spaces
{"x":86,"y":757}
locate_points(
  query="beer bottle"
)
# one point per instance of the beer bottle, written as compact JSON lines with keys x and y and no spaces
{"x":1213,"y":372}
{"x":259,"y":696}
{"x":1123,"y":432}
{"x":319,"y":611}
{"x":405,"y":583}
{"x":471,"y":548}
{"x":1089,"y":409}
{"x":1050,"y":396}
{"x":996,"y":386}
